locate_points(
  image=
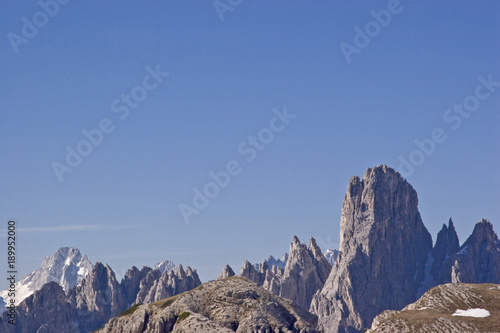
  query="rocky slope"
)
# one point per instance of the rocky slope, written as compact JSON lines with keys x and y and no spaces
{"x":457,"y":308}
{"x":229,"y":305}
{"x":66,"y":266}
{"x":383,"y":252}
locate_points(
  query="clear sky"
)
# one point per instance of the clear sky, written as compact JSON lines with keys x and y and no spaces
{"x":358,"y":92}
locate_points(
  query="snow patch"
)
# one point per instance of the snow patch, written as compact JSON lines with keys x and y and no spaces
{"x":476,"y":313}
{"x":424,"y":308}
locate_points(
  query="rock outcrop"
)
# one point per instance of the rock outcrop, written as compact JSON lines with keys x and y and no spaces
{"x":98,"y":298}
{"x":226,"y":272}
{"x":229,"y":305}
{"x":46,"y":310}
{"x":158,"y":286}
{"x":478,"y":259}
{"x":131,"y":282}
{"x":66,"y":266}
{"x":457,"y":308}
{"x":447,"y":245}
{"x":384,"y":248}
{"x":305,"y":272}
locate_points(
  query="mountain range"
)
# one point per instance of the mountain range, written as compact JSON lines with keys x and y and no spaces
{"x":386,"y":268}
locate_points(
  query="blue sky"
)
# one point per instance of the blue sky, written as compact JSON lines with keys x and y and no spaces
{"x":120,"y":205}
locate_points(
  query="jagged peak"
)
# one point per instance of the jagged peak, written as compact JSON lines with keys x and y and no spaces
{"x":247,"y":263}
{"x":484,"y":222}
{"x":381,"y":168}
{"x":226,"y":272}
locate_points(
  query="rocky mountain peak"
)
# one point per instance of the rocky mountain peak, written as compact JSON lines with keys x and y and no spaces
{"x":383,"y":252}
{"x":98,"y":297}
{"x":164,"y":266}
{"x":447,"y":244}
{"x":66,"y":266}
{"x":305,"y":272}
{"x":131,"y":282}
{"x":478,"y":259}
{"x":226,"y":272}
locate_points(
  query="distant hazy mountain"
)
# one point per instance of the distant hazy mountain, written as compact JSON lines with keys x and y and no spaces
{"x":165,"y":265}
{"x":66,"y":266}
{"x":271,"y":261}
{"x":331,"y":255}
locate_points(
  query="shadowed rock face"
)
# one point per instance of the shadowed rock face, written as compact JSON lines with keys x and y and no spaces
{"x":98,"y":298}
{"x":131,"y":282}
{"x":434,"y":311}
{"x":478,"y":259}
{"x":46,"y":310}
{"x":221,"y":306}
{"x":447,"y":245}
{"x":383,"y":251}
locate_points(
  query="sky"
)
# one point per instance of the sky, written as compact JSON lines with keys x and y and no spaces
{"x":210,"y":132}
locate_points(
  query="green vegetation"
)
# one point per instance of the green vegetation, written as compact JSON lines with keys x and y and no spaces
{"x":129,"y":310}
{"x":183,"y":316}
{"x":163,"y":303}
